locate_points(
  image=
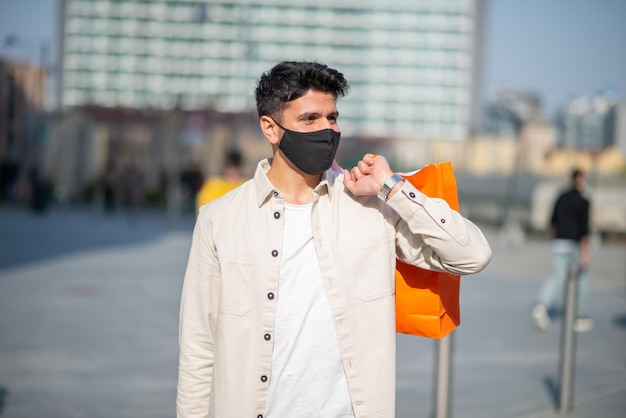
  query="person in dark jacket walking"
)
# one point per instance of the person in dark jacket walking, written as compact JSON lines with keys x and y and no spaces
{"x":570,"y":249}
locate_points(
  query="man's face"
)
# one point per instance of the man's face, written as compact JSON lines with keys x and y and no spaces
{"x":314,"y":111}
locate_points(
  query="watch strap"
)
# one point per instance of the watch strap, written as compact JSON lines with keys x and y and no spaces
{"x":388,"y":186}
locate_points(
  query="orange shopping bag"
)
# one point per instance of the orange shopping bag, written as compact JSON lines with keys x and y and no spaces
{"x":427,"y":302}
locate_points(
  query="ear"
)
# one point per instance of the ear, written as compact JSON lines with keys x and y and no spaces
{"x":269,"y":128}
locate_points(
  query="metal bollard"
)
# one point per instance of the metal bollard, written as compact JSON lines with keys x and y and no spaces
{"x":442,"y":399}
{"x":568,"y":344}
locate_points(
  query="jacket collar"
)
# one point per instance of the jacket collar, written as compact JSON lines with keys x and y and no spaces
{"x":265,"y":189}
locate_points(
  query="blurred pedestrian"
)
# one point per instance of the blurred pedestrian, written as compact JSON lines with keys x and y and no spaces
{"x":191,"y":181}
{"x":38,"y":190}
{"x":287,"y":307}
{"x":570,"y":251}
{"x":132,"y":188}
{"x":216,"y":186}
{"x":9,"y":170}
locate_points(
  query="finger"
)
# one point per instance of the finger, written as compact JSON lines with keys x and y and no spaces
{"x":380,"y":162}
{"x":348,"y":181}
{"x":347,"y":175}
{"x":369,"y":158}
{"x":356,"y":173}
{"x":365,"y":167}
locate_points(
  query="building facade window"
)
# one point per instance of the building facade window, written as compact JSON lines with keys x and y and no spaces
{"x":409,"y":62}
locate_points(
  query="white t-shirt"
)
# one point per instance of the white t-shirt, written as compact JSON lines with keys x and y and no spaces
{"x":307,"y":377}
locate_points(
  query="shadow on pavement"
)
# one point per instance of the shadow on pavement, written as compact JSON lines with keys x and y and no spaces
{"x":29,"y":237}
{"x":620,"y":321}
{"x":552,"y":388}
{"x":3,"y":395}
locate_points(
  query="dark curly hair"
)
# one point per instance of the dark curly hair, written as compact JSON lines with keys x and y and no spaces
{"x":289,"y":80}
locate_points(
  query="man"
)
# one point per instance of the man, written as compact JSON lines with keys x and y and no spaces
{"x":287,"y":307}
{"x":570,"y":249}
{"x":216,"y":186}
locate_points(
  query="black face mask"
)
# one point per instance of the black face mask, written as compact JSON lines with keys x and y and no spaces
{"x":311,"y":152}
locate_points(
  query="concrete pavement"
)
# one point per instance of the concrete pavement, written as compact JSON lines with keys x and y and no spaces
{"x":88,"y":326}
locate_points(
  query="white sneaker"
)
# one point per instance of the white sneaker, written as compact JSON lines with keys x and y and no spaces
{"x":583,"y":324}
{"x":541,"y":318}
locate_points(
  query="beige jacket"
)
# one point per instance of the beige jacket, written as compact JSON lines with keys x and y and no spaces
{"x":231,"y":288}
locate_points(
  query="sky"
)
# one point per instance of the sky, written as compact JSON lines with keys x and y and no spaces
{"x":559,"y":49}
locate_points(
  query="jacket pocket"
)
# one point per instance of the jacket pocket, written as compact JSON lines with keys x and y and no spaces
{"x":237,"y":287}
{"x":368,"y":268}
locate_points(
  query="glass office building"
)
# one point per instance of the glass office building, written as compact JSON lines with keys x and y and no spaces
{"x":413,"y":65}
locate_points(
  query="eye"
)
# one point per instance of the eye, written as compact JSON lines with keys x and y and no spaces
{"x":332,"y":119}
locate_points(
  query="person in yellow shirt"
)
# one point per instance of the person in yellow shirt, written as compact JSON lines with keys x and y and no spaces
{"x":216,"y":186}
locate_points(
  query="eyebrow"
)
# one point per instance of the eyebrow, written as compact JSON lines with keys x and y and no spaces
{"x":316,"y":114}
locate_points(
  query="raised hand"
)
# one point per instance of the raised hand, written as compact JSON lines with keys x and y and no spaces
{"x":368,"y":176}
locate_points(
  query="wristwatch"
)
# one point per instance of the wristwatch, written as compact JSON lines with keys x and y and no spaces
{"x":389,"y":184}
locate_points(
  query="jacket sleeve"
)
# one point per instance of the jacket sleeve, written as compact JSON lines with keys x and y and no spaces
{"x":197,"y":324}
{"x":432,"y":236}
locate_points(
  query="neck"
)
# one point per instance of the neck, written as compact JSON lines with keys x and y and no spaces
{"x":295,"y":186}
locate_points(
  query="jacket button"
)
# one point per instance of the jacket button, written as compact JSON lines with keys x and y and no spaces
{"x":263,"y":378}
{"x":275,"y":194}
{"x":412,"y":195}
{"x":276,"y":215}
{"x":259,"y":416}
{"x":274,"y":253}
{"x":443,"y":221}
{"x":267,"y":337}
{"x":270,"y":295}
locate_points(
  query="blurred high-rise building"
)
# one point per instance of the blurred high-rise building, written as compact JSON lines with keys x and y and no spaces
{"x":593,"y":123}
{"x":511,"y":110}
{"x":414,"y":65}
